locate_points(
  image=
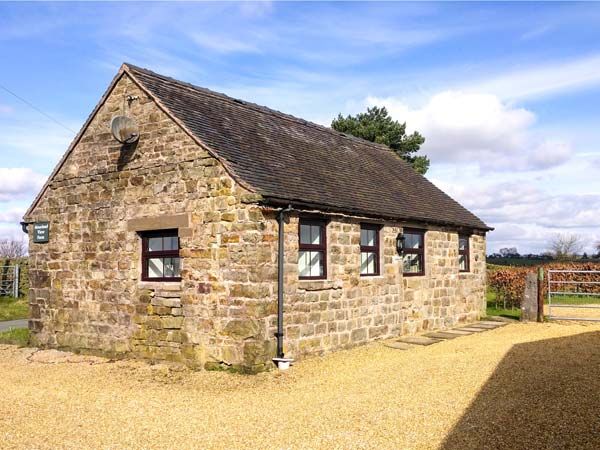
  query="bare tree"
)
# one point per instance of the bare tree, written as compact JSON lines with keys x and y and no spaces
{"x":565,"y":246}
{"x":12,"y":248}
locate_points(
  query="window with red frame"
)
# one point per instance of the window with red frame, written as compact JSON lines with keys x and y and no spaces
{"x":414,"y":252}
{"x":369,"y":249}
{"x":160,"y":256}
{"x":312,"y":249}
{"x":463,"y":253}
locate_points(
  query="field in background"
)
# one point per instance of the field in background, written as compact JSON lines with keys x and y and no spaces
{"x":15,"y":336}
{"x":496,"y":308}
{"x":13,"y":308}
{"x":530,"y":262}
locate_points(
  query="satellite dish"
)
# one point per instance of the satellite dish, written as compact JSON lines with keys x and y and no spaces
{"x":124,"y":129}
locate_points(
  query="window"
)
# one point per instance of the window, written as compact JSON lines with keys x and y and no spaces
{"x":463,"y":253}
{"x":414,"y":252}
{"x":369,"y":249}
{"x":160,"y":256}
{"x":312,"y":250}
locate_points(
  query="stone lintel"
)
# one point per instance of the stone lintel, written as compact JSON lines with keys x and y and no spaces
{"x":163,"y":222}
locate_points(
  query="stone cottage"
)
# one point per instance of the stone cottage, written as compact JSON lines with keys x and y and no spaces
{"x":167,"y":247}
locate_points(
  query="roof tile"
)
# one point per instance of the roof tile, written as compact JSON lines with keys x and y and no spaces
{"x":286,"y":159}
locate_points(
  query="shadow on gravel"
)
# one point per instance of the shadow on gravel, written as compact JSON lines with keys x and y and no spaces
{"x":543,"y":395}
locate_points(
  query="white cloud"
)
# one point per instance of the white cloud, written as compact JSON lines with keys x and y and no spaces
{"x":221,"y":43}
{"x":18,"y":183}
{"x":466,"y":127}
{"x":525,"y":215}
{"x":537,"y":32}
{"x":33,"y":137}
{"x":13,"y":215}
{"x":5,"y":109}
{"x":542,"y":79}
{"x":12,"y":231}
{"x":256,"y":9}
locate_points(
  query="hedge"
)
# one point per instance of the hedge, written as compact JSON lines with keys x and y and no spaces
{"x":509,"y":282}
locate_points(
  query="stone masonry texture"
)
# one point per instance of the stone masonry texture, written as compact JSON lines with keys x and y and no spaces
{"x":86,"y":294}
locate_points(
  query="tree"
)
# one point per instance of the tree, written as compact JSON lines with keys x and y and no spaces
{"x":377,"y":126}
{"x":598,"y":248}
{"x":509,"y":252}
{"x":565,"y":246}
{"x":12,"y":248}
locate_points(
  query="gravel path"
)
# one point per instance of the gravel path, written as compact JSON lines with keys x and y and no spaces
{"x":519,"y":386}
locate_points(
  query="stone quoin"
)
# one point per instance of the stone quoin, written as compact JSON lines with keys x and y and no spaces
{"x":167,"y":248}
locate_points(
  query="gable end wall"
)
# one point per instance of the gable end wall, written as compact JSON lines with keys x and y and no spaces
{"x":85,"y":290}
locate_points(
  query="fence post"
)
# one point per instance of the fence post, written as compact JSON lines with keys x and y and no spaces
{"x":16,"y":282}
{"x":540,"y":294}
{"x":529,"y":304}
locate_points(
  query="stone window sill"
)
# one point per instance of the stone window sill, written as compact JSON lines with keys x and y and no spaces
{"x":365,"y":279}
{"x":162,"y":285}
{"x":319,"y":285}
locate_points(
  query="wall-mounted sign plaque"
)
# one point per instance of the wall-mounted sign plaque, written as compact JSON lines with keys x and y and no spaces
{"x":41,"y":232}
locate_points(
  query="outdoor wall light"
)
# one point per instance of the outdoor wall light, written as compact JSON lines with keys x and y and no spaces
{"x":400,"y":243}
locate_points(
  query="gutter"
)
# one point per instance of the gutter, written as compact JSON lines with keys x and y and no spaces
{"x":349,"y":212}
{"x":24,"y":226}
{"x":280,"y":360}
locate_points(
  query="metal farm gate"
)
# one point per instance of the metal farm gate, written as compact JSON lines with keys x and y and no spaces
{"x":9,"y":281}
{"x":573,"y":295}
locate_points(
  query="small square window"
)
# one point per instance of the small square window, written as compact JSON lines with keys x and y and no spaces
{"x":160,"y":256}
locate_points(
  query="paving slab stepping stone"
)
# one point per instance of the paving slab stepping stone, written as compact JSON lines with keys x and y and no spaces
{"x":442,"y":335}
{"x":484,"y":326}
{"x":398,"y":345}
{"x":492,"y":322}
{"x":418,"y":340}
{"x":472,"y":329}
{"x":458,"y":331}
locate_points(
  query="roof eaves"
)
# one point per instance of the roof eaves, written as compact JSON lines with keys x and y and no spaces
{"x":284,"y":201}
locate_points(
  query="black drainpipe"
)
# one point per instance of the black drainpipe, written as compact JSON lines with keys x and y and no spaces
{"x":279,"y":334}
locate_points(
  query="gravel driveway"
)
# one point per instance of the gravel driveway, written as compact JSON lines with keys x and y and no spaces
{"x":520,"y":386}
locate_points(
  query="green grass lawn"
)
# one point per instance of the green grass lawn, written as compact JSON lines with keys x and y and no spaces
{"x":492,"y":310}
{"x":13,"y":308}
{"x":15,"y":336}
{"x":574,"y":300}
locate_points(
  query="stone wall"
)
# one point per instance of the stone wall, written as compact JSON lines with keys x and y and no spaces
{"x":86,"y":294}
{"x":347,"y":309}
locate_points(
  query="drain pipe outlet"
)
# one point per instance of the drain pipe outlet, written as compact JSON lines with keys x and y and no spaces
{"x":281,"y":361}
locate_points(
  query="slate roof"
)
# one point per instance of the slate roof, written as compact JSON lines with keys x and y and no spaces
{"x":290,"y":160}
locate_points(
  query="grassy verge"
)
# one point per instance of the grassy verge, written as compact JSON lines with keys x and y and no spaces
{"x":492,"y":310}
{"x":15,"y":336}
{"x":574,"y":300}
{"x":13,"y":308}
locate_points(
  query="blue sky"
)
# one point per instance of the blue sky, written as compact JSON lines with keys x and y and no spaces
{"x":506,"y":94}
